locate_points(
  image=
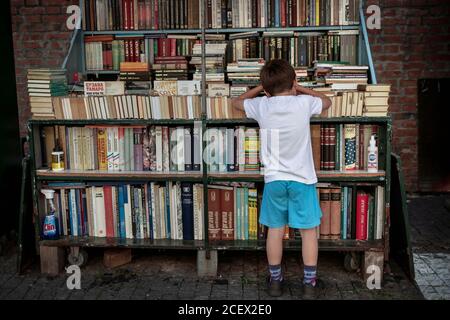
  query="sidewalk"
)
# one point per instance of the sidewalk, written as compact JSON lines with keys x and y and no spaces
{"x":430,"y":232}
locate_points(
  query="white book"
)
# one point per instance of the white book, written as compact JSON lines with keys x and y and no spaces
{"x":63,"y":210}
{"x":129,"y":107}
{"x":100,"y":212}
{"x":155,"y":215}
{"x":162,"y":212}
{"x":379,"y":228}
{"x":134,"y":104}
{"x":180,"y":149}
{"x":128,"y":219}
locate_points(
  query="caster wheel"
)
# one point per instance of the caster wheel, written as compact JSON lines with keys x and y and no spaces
{"x":351,"y":262}
{"x":78,"y":260}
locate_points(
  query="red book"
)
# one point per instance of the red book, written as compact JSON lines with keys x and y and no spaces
{"x":132,"y":17}
{"x":227,"y":211}
{"x":125,"y":14}
{"x":214,"y":221}
{"x":293,"y":14}
{"x":156,"y":14}
{"x":173,"y":47}
{"x":362,"y":209}
{"x":107,"y":190}
{"x":283,"y":12}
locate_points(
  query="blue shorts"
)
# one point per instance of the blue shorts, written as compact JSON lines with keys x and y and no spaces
{"x":290,"y":203}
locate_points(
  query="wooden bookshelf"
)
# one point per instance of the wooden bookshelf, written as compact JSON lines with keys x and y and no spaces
{"x":77,"y":175}
{"x":75,"y":62}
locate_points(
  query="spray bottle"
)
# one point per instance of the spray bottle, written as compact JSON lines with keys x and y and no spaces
{"x":372,"y":158}
{"x":50,"y":227}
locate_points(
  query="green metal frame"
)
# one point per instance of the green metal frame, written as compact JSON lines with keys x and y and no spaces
{"x":75,"y":61}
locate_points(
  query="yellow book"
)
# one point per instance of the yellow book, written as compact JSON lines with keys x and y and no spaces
{"x":101,"y":149}
{"x":253,"y":213}
{"x":317,"y":12}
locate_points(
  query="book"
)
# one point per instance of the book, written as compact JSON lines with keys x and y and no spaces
{"x":362,"y":211}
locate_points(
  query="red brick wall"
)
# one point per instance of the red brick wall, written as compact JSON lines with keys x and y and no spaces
{"x":413,"y":43}
{"x":41,"y":39}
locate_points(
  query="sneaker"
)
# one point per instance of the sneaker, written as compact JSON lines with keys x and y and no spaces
{"x":274,"y":287}
{"x":311,"y":292}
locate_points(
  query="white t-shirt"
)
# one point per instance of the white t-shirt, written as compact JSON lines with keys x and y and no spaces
{"x":286,"y":151}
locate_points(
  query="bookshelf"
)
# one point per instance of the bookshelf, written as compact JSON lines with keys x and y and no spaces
{"x":75,"y":62}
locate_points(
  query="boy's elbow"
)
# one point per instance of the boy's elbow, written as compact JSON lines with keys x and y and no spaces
{"x":237,"y":103}
{"x":327,"y":103}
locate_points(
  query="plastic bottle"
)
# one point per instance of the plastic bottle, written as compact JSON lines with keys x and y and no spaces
{"x":372,"y":157}
{"x":50,"y":227}
{"x":57,"y":158}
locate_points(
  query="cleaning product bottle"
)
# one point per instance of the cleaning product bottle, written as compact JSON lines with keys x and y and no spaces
{"x":50,"y":227}
{"x":372,"y":158}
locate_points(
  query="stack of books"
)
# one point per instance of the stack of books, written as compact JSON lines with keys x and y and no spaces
{"x":245,"y":71}
{"x":134,"y":71}
{"x":346,"y":77}
{"x":376,"y":98}
{"x":171,"y":68}
{"x":215,"y":62}
{"x":43,"y":84}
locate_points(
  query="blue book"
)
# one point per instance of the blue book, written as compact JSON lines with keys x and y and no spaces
{"x":167,"y":199}
{"x":85,"y":216}
{"x":150,"y":213}
{"x":187,"y":208}
{"x":72,"y":210}
{"x":277,"y":13}
{"x":78,"y":212}
{"x":246,"y":213}
{"x":122,"y":200}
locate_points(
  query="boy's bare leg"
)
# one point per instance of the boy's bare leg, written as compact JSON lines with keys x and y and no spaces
{"x":310,"y":248}
{"x":274,"y":245}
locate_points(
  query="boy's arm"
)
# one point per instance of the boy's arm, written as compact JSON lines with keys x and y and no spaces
{"x":238,"y":102}
{"x":326,"y":102}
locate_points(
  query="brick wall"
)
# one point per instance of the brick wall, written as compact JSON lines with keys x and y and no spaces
{"x":413,"y":43}
{"x":41,"y":39}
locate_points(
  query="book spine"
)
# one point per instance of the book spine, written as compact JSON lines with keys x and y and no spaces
{"x":362,"y":208}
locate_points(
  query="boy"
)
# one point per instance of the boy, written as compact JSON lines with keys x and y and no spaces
{"x":290,"y":196}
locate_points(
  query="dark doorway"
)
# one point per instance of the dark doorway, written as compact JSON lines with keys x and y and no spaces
{"x":10,"y":150}
{"x":434,"y":135}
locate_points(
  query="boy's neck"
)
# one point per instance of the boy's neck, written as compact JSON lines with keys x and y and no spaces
{"x":291,"y":92}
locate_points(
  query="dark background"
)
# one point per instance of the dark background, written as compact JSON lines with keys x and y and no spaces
{"x":10,"y":144}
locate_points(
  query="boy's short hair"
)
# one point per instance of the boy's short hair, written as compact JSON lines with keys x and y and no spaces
{"x":277,"y":76}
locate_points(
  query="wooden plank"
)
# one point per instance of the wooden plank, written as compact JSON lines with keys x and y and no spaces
{"x":122,"y":175}
{"x":52,"y":260}
{"x":93,"y":242}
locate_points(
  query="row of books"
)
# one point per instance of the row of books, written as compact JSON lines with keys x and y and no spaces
{"x":154,"y":148}
{"x":127,"y":107}
{"x":341,"y":147}
{"x":351,"y":213}
{"x":114,"y":149}
{"x":171,"y":210}
{"x":107,"y":52}
{"x":232,"y":212}
{"x":300,"y":49}
{"x":100,"y":15}
{"x":281,"y":13}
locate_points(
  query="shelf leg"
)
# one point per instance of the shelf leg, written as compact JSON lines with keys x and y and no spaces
{"x":373,"y":267}
{"x":207,"y":267}
{"x":52,"y":260}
